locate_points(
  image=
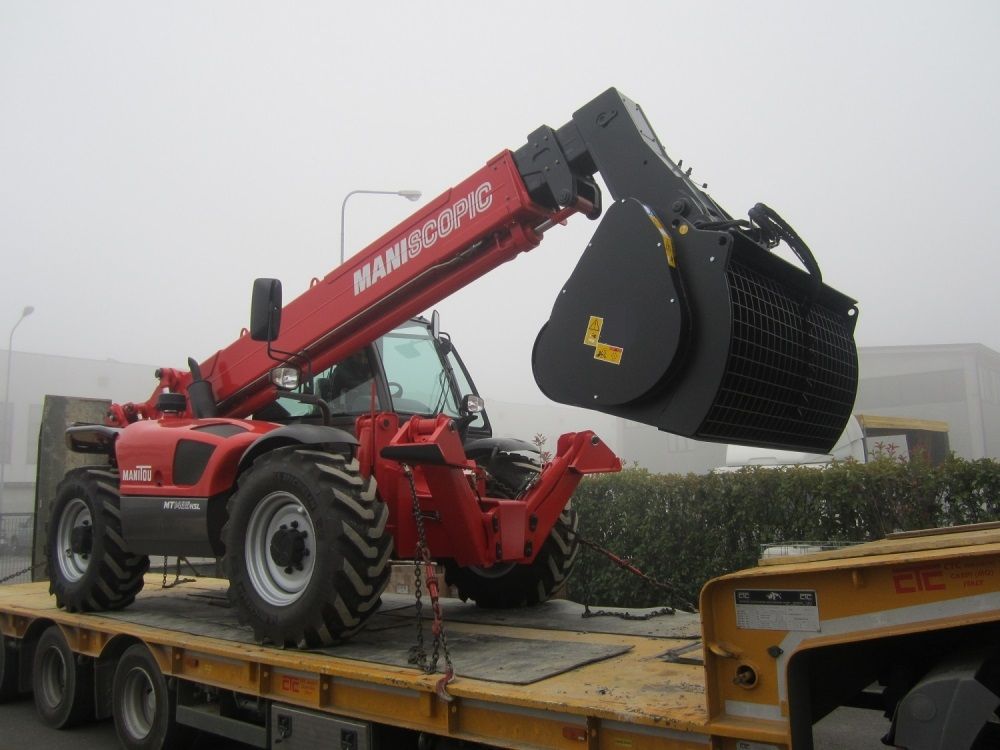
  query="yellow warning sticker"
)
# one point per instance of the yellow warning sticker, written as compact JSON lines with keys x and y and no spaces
{"x":593,"y":331}
{"x":603,"y":352}
{"x":607,"y":353}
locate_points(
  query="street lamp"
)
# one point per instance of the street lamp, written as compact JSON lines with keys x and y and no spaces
{"x":410,"y":195}
{"x":7,"y":415}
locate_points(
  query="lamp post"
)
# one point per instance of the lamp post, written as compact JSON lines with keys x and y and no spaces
{"x":7,"y":415}
{"x":410,"y":195}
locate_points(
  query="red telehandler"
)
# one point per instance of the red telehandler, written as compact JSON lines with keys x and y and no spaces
{"x":340,"y":430}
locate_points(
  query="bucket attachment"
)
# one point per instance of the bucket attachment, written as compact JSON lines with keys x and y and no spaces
{"x":701,"y":332}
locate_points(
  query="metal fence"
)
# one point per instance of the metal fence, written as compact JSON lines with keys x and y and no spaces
{"x":799,"y":547}
{"x":16,"y":537}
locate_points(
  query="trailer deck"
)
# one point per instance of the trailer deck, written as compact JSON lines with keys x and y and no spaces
{"x":540,"y":676}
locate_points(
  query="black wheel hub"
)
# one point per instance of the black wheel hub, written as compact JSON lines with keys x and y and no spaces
{"x":288,"y":546}
{"x":81,"y":540}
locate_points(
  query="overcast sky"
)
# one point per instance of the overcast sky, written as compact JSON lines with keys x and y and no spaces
{"x":156,"y":157}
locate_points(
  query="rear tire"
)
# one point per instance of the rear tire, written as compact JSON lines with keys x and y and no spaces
{"x":144,"y":707}
{"x":62,"y":684}
{"x":90,"y":568}
{"x":307,"y":554}
{"x":509,"y":586}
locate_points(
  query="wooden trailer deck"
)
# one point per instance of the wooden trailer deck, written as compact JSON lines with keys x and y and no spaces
{"x":539,"y":677}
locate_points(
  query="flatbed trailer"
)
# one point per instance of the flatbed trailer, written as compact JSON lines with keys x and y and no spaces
{"x":774,"y":649}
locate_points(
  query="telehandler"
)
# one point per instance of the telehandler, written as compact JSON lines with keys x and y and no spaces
{"x":340,"y":430}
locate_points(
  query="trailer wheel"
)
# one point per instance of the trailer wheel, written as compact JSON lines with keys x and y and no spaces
{"x":508,"y":586}
{"x":144,"y":707}
{"x":62,"y":684}
{"x":90,"y":568}
{"x":307,"y":554}
{"x":8,"y":670}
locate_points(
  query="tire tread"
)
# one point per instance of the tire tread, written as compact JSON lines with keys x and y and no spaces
{"x":337,"y":602}
{"x":114,"y":575}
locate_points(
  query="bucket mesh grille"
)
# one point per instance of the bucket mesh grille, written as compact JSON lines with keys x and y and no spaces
{"x":777,"y":389}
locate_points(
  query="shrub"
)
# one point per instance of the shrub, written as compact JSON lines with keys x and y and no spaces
{"x":687,"y":529}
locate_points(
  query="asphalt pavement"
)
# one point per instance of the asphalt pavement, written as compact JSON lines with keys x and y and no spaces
{"x":20,"y":729}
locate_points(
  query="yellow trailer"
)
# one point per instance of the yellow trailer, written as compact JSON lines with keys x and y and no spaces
{"x":909,"y":623}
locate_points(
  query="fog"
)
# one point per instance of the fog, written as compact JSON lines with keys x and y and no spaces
{"x":156,"y":158}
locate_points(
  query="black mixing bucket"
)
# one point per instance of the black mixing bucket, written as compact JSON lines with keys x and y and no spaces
{"x":700,"y":332}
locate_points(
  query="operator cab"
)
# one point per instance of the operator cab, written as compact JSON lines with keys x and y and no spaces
{"x":412,"y":370}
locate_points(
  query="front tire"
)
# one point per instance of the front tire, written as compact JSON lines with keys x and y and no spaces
{"x":90,"y":567}
{"x":508,"y":586}
{"x":307,"y":554}
{"x":144,"y":707}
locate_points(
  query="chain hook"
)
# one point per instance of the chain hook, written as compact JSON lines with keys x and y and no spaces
{"x":425,"y":565}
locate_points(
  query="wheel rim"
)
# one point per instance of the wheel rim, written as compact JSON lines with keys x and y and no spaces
{"x":138,"y":709}
{"x":53,"y":677}
{"x":72,"y":564}
{"x":280,"y":581}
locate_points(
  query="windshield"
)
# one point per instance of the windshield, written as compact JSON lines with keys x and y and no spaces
{"x":417,"y":381}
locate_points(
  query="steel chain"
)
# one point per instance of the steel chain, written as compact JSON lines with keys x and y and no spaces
{"x":423,"y":561}
{"x":417,"y":654}
{"x":177,"y":574}
{"x":626,"y":615}
{"x":21,"y":572}
{"x":629,"y":567}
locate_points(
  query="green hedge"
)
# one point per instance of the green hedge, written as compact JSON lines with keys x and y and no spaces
{"x":687,"y":529}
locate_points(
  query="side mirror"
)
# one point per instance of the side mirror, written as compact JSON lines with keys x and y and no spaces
{"x":436,"y":325}
{"x":265,"y":310}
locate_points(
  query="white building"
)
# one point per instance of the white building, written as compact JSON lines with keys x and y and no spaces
{"x":956,"y":383}
{"x":32,"y":377}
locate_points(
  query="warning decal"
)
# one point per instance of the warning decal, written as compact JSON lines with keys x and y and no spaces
{"x":602,"y":352}
{"x":593,"y":331}
{"x":776,"y":609}
{"x":606,"y":353}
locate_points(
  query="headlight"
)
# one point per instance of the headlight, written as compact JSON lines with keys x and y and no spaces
{"x":285,"y":378}
{"x":472,"y":404}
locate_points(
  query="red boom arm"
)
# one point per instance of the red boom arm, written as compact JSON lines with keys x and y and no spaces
{"x":461,"y":235}
{"x":464,"y":233}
